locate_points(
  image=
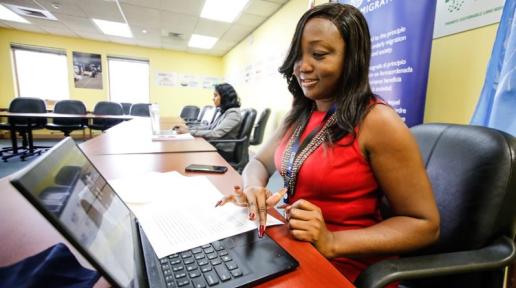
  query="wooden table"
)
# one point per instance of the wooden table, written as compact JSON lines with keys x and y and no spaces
{"x":25,"y":232}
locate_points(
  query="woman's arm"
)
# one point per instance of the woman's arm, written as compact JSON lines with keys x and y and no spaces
{"x":230,"y":120}
{"x":395,"y":159}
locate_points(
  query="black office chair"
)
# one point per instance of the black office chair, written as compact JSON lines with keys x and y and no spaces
{"x":126,"y":107}
{"x":259,"y":128}
{"x":472,"y":171}
{"x":140,"y":109}
{"x":189,"y":113}
{"x":205,"y":117}
{"x":106,"y":108}
{"x":69,"y":124}
{"x":25,"y":126}
{"x":240,"y":156}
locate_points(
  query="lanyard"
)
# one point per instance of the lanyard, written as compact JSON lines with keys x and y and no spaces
{"x":297,"y":147}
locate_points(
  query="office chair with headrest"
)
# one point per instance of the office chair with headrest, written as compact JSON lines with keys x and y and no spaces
{"x":140,"y":109}
{"x":24,"y":126}
{"x":67,"y":125}
{"x":240,"y":156}
{"x":106,"y":108}
{"x":472,"y":171}
{"x":259,"y":128}
{"x":189,"y":113}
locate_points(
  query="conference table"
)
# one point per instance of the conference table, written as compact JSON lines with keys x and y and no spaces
{"x":25,"y":232}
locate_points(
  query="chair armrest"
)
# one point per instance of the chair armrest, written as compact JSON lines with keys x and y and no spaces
{"x":214,"y":141}
{"x":499,"y":253}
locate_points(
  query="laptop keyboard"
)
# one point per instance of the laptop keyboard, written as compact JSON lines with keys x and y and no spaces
{"x":205,"y":266}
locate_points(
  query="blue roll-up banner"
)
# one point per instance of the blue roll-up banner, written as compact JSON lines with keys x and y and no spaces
{"x":401,"y":38}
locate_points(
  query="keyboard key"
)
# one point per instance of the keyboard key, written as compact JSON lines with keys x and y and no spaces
{"x":186,"y":254}
{"x":231,"y":265}
{"x":206,"y":246}
{"x":178,"y":268}
{"x":163,"y":261}
{"x":209,"y":250}
{"x":223,"y":273}
{"x":194,"y":274}
{"x":169,"y":278}
{"x":202,"y":262}
{"x":165,"y":267}
{"x":223,"y":252}
{"x":236,"y":273}
{"x":205,"y":269}
{"x":184,"y":282}
{"x":175,"y":261}
{"x":217,"y":245}
{"x":167,"y":272}
{"x":215,"y":261}
{"x":197,"y":250}
{"x":211,"y":278}
{"x":175,"y":255}
{"x":180,"y":275}
{"x":226,"y":258}
{"x":198,"y":283}
{"x":188,"y":261}
{"x":171,"y":285}
{"x":211,"y":256}
{"x":191,"y":267}
{"x":199,"y":256}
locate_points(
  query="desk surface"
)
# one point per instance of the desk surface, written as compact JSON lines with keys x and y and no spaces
{"x":134,"y":137}
{"x":25,"y":232}
{"x":59,"y":115}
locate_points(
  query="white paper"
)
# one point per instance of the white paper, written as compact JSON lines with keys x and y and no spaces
{"x":178,"y":213}
{"x":172,"y":136}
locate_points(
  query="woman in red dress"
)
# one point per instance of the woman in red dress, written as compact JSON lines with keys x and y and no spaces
{"x":340,"y":150}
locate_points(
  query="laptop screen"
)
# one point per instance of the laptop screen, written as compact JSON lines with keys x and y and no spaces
{"x":71,"y":192}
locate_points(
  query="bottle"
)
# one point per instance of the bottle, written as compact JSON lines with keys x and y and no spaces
{"x":154,"y":116}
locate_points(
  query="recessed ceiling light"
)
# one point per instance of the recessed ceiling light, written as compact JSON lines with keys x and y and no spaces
{"x":144,"y":31}
{"x":6,"y":14}
{"x":203,"y":42}
{"x":227,"y":12}
{"x":113,"y":28}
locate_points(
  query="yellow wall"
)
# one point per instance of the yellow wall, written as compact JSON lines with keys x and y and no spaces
{"x":457,"y":69}
{"x":171,"y":99}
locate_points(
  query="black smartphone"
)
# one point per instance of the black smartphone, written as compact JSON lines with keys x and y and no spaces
{"x":206,"y":168}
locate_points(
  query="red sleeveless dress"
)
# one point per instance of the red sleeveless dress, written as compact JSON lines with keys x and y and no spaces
{"x":339,"y":180}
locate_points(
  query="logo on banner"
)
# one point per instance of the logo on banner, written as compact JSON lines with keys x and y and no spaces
{"x":356,"y":3}
{"x":454,"y":5}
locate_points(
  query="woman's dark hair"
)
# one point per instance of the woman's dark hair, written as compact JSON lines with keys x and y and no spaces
{"x":228,"y":96}
{"x":353,"y":91}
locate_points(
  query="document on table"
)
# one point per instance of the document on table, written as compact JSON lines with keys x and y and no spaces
{"x":179,"y":213}
{"x":169,"y":135}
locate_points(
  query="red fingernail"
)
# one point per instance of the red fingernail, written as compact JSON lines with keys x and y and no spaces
{"x":236,"y":187}
{"x":218,"y":203}
{"x":261,"y":231}
{"x":251,"y":216}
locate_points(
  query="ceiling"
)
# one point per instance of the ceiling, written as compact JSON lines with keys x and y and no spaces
{"x":168,"y":24}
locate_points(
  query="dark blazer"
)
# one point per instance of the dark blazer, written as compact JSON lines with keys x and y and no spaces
{"x":224,"y":127}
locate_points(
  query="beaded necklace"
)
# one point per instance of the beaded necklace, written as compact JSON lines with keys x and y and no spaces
{"x":295,"y":154}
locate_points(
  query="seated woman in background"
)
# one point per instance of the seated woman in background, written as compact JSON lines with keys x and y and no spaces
{"x":226,"y":126}
{"x":340,"y":150}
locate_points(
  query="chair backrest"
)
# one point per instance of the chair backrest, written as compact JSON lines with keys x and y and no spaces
{"x":28,"y":105}
{"x":241,"y":154}
{"x":259,"y":128}
{"x":471,"y":169}
{"x":140,"y":109}
{"x":189,"y":112}
{"x":107,"y":108}
{"x":70,"y":107}
{"x":126,"y":107}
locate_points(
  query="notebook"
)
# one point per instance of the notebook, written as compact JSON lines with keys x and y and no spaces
{"x":71,"y":193}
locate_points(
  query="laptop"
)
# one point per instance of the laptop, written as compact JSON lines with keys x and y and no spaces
{"x":71,"y":193}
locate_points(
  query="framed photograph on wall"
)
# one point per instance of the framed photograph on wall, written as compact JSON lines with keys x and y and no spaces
{"x":87,"y":70}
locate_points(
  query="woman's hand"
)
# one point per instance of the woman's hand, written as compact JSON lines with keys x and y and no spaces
{"x":306,"y":223}
{"x":257,"y":200}
{"x":181,"y":129}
